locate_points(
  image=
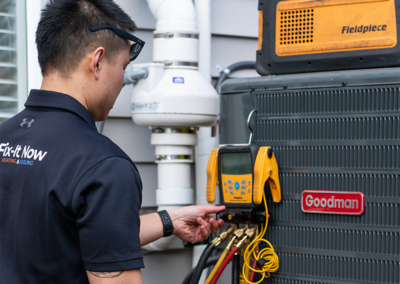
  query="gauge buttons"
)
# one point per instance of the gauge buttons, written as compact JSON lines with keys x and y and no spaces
{"x":225,"y":189}
{"x":243,"y":186}
{"x":242,"y":192}
{"x":230,"y":181}
{"x":248,"y":189}
{"x":231,"y":192}
{"x":230,"y":186}
{"x":243,"y":181}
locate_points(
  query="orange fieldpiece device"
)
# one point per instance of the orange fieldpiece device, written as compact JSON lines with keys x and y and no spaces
{"x":240,"y":173}
{"x":302,"y":36}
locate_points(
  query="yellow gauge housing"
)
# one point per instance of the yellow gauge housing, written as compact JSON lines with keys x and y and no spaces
{"x":242,"y":175}
{"x":212,"y":175}
{"x":266,"y":169}
{"x":244,"y":194}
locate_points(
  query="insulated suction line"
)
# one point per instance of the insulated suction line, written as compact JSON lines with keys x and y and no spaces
{"x":202,"y":261}
{"x":266,"y":258}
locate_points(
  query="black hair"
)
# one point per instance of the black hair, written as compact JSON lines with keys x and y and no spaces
{"x":63,"y":37}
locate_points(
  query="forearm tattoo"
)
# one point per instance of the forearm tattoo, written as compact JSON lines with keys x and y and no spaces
{"x":113,"y":274}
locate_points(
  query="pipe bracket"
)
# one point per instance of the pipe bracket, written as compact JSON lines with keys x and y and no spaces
{"x":173,"y":157}
{"x":176,"y":35}
{"x":169,"y":63}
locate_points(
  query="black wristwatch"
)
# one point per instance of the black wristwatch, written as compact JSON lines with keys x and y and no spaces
{"x":167,"y":223}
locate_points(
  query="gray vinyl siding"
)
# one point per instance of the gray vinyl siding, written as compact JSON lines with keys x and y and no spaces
{"x":13,"y":80}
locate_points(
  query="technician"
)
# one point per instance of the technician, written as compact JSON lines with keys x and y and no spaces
{"x":70,"y":197}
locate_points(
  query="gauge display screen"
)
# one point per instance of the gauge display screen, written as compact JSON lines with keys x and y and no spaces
{"x":236,"y":163}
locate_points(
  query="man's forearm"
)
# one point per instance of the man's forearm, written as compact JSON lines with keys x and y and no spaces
{"x":151,"y":228}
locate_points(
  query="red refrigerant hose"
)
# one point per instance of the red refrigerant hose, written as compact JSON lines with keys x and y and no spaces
{"x":253,"y":273}
{"x":224,"y":264}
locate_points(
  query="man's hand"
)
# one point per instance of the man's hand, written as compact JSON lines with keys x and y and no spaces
{"x":194,"y":223}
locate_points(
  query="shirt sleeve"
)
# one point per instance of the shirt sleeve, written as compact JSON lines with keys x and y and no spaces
{"x":106,"y":202}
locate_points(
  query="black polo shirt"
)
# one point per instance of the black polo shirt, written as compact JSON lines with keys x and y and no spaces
{"x":70,"y":197}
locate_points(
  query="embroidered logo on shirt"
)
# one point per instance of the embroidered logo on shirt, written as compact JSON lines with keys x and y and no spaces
{"x":20,"y":155}
{"x":28,"y":123}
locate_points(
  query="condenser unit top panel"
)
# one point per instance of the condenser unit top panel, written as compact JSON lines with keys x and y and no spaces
{"x":316,"y":80}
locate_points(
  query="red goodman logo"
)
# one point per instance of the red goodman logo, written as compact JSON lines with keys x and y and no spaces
{"x":333,"y":202}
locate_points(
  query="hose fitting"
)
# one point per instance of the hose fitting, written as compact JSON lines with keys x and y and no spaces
{"x":224,"y":235}
{"x":229,"y":246}
{"x":251,"y":232}
{"x":236,"y":236}
{"x":241,"y":242}
{"x":241,"y":231}
{"x":244,"y":234}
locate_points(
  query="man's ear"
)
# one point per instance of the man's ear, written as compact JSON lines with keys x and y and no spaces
{"x":96,"y":62}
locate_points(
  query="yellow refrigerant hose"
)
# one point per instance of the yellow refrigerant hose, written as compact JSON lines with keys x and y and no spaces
{"x":246,"y":272}
{"x":267,"y":254}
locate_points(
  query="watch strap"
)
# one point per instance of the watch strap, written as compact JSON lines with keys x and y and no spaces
{"x":168,"y":227}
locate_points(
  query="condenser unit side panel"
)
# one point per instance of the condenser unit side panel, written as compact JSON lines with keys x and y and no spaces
{"x":342,"y":133}
{"x":233,"y":108}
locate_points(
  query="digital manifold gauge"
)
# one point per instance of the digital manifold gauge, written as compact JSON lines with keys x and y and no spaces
{"x":240,"y":174}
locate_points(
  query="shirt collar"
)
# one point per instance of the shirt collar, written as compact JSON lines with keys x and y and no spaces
{"x":41,"y":98}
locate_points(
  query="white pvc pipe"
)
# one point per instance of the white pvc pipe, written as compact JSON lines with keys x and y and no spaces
{"x":160,"y":244}
{"x":202,"y":152}
{"x":205,"y":142}
{"x":174,"y":15}
{"x":174,"y":176}
{"x":175,"y":49}
{"x":167,"y":176}
{"x":203,"y":13}
{"x":153,"y":5}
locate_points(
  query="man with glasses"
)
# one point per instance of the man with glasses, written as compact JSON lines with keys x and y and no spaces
{"x":70,"y":197}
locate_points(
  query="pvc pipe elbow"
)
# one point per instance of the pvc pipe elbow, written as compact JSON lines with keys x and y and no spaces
{"x":174,"y":14}
{"x":154,"y":5}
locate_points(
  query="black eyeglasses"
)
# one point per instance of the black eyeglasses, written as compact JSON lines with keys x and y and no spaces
{"x":136,"y":47}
